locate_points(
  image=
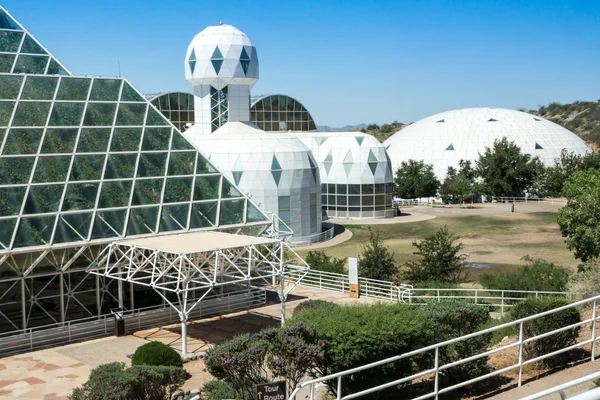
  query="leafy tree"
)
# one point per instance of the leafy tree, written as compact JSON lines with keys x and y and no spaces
{"x":320,"y":261}
{"x":536,"y":275}
{"x":376,"y":261}
{"x":586,"y":282}
{"x":415,"y":179}
{"x":115,"y":382}
{"x":579,"y":219}
{"x":506,"y":171}
{"x":372,"y":127}
{"x":440,"y":258}
{"x":460,"y":184}
{"x":565,"y":166}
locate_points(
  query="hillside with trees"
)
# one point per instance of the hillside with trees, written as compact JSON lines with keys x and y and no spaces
{"x":580,"y":117}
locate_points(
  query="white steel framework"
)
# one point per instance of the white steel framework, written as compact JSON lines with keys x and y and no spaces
{"x":174,"y":266}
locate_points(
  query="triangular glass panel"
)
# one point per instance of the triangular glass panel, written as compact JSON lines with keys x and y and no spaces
{"x":7,"y":22}
{"x":538,"y":147}
{"x":245,"y":65}
{"x":536,"y":119}
{"x":217,"y":65}
{"x":253,"y":214}
{"x":129,"y":94}
{"x":31,"y":46}
{"x":347,"y":168}
{"x":237,"y":175}
{"x":348,"y":159}
{"x":314,"y":174}
{"x":192,"y":66}
{"x":310,"y":161}
{"x":276,"y":176}
{"x":155,"y":118}
{"x":450,"y":147}
{"x":359,"y":139}
{"x":387,"y":147}
{"x":492,"y":120}
{"x":275,"y":164}
{"x":244,"y":56}
{"x":217,"y":54}
{"x":441,"y":121}
{"x":55,"y":69}
{"x":327,"y":166}
{"x":192,"y":56}
{"x":373,"y":167}
{"x":329,"y":157}
{"x":372,"y":157}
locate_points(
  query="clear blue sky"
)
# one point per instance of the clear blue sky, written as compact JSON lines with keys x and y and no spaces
{"x":347,"y":61}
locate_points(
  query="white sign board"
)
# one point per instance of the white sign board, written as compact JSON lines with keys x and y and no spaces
{"x":353,"y":270}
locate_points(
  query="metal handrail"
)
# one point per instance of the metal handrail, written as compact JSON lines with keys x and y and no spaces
{"x":560,"y":388}
{"x":437,"y":367}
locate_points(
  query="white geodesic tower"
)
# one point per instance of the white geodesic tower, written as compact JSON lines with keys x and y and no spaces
{"x":221,"y":64}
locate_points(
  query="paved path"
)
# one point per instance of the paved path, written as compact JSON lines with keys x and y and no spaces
{"x":53,"y":373}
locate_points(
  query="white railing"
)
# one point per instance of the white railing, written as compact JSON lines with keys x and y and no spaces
{"x":434,"y":372}
{"x":550,"y":200}
{"x":592,"y":394}
{"x":142,"y":318}
{"x":326,"y":234}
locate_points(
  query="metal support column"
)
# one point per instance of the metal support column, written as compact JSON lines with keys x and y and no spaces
{"x":183,"y":335}
{"x":282,"y":298}
{"x":120,"y":289}
{"x":23,"y":304}
{"x":98,"y":300}
{"x":61,"y":281}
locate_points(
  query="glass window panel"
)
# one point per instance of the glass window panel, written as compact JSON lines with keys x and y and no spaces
{"x":6,"y":62}
{"x":73,"y":227}
{"x":31,"y":113}
{"x":312,"y":126}
{"x":39,"y":88}
{"x":129,"y":93}
{"x":55,"y":69}
{"x":87,"y":167}
{"x":10,"y":86}
{"x":380,"y":200}
{"x":174,"y":217}
{"x":342,"y":200}
{"x":331,"y":199}
{"x":52,"y":169}
{"x":323,"y":188}
{"x":105,"y":89}
{"x":204,"y":214}
{"x":142,"y":220}
{"x":154,"y":118}
{"x":99,"y":114}
{"x":181,"y":163}
{"x":284,"y":202}
{"x":109,"y":224}
{"x":304,"y":126}
{"x":120,"y":166}
{"x":93,"y":140}
{"x":11,"y":200}
{"x":66,"y":114}
{"x":80,"y":196}
{"x":253,"y":214}
{"x":114,"y":194}
{"x":126,"y":139}
{"x":285,"y":216}
{"x":7,"y":227}
{"x":367,"y":200}
{"x":232,"y":212}
{"x":73,"y":89}
{"x":324,"y":199}
{"x":228,"y":190}
{"x":59,"y":141}
{"x":207,"y":187}
{"x":22,"y":141}
{"x":379,"y":188}
{"x":10,"y":41}
{"x":31,"y":46}
{"x":331,"y":188}
{"x":203,"y":166}
{"x":34,"y":231}
{"x":341,"y":189}
{"x":156,"y":139}
{"x":147,"y":191}
{"x":367,"y":189}
{"x":152,"y":164}
{"x":178,"y":190}
{"x":131,"y":114}
{"x":354,"y":200}
{"x":30,"y":64}
{"x":6,"y":110}
{"x":43,"y":199}
{"x":15,"y":170}
{"x":353,"y":189}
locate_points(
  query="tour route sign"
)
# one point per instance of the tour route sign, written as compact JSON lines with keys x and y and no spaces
{"x":271,"y":391}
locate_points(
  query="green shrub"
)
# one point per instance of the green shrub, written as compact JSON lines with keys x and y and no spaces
{"x":114,"y":382}
{"x":217,"y":390}
{"x":545,"y":324}
{"x":537,"y":274}
{"x":376,"y":260}
{"x":310,"y":304}
{"x":318,"y":260}
{"x":156,"y":353}
{"x":586,"y":282}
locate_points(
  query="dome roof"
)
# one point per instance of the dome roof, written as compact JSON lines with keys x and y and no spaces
{"x":221,"y":55}
{"x":444,"y":139}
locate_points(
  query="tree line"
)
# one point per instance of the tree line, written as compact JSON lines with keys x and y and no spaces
{"x":501,"y":171}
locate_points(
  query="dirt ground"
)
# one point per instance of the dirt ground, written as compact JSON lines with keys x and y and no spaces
{"x":490,"y":233}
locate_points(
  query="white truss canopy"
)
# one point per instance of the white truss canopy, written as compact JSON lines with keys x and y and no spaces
{"x":179,"y":264}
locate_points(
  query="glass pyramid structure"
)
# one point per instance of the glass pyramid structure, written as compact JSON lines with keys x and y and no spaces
{"x":85,"y":161}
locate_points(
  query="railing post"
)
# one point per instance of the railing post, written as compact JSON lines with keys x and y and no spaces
{"x":438,"y":295}
{"x":594,"y":330}
{"x":520,"y":353}
{"x":312,"y":391}
{"x":31,"y":339}
{"x":502,"y":303}
{"x":436,"y":366}
{"x":339,"y":388}
{"x":69,"y":329}
{"x":320,"y":281}
{"x":475,"y":296}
